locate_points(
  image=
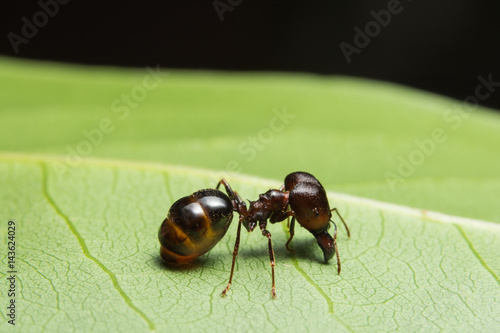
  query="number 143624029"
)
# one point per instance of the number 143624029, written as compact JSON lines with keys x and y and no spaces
{"x":11,"y":272}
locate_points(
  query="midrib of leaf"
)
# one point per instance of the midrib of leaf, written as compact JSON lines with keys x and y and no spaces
{"x":86,"y":252}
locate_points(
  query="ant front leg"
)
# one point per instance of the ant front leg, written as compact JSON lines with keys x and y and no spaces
{"x":266,"y":233}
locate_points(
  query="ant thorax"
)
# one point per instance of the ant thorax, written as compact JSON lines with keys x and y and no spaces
{"x":258,"y":211}
{"x":269,"y":203}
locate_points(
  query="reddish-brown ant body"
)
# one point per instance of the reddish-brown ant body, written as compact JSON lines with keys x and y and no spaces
{"x":196,"y":223}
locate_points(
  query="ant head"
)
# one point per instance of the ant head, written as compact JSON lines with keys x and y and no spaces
{"x":326,"y":243}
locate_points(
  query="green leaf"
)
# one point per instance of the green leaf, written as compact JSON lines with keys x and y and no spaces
{"x":86,"y":224}
{"x":88,"y":260}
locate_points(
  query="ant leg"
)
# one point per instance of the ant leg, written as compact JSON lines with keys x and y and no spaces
{"x":292,"y":232}
{"x":291,"y":226}
{"x":232,"y":194}
{"x":266,"y":233}
{"x":335,"y":246}
{"x":238,"y":204}
{"x":235,"y":253}
{"x":345,"y":225}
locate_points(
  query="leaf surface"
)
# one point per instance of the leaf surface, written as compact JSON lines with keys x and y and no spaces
{"x":88,"y":260}
{"x":86,"y":224}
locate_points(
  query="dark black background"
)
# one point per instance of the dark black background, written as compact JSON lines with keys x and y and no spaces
{"x":440,"y":46}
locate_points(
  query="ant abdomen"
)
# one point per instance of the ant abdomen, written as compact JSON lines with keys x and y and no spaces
{"x":194,"y":225}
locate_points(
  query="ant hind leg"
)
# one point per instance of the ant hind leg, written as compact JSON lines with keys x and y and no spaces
{"x":235,"y":253}
{"x":238,"y":204}
{"x":233,"y":195}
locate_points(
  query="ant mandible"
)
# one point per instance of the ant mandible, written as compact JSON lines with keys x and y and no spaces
{"x":197,"y":222}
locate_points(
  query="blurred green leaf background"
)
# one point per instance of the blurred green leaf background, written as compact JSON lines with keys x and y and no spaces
{"x":348,"y":132}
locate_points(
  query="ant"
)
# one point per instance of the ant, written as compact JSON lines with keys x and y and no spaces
{"x":197,"y":222}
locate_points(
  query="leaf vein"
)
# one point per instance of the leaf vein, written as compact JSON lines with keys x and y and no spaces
{"x":86,"y":251}
{"x":315,"y":285}
{"x":476,"y":254}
